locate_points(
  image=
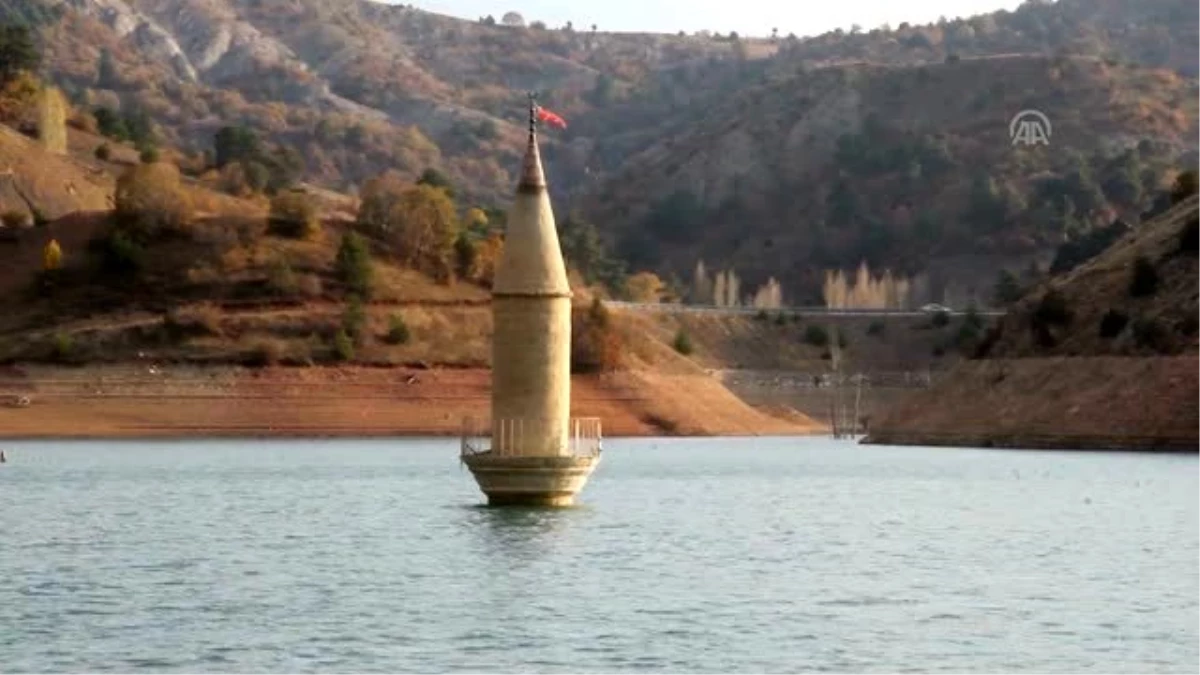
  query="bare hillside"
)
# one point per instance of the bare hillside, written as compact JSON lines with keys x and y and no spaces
{"x":1100,"y":357}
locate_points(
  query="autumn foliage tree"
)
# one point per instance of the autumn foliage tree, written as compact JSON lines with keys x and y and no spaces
{"x":487,"y":257}
{"x":150,"y":202}
{"x":52,"y":256}
{"x":52,"y":120}
{"x":644,"y":287}
{"x":595,"y":343}
{"x":418,"y":221}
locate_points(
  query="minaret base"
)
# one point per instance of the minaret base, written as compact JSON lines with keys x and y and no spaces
{"x":530,"y":481}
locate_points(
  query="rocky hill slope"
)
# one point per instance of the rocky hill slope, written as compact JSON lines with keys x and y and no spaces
{"x":356,"y":86}
{"x":353,"y":87}
{"x":1138,"y":298}
{"x":898,"y":166}
{"x":1103,"y":356}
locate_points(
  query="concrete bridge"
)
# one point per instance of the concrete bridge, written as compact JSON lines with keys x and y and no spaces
{"x":676,"y":308}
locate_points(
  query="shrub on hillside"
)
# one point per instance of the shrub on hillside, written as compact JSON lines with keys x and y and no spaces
{"x":397,"y":330}
{"x":343,"y":346}
{"x":121,"y":255}
{"x":1083,"y":249}
{"x":816,"y":336}
{"x":62,"y":347}
{"x":309,"y":285}
{"x":265,"y":352}
{"x":1007,"y":289}
{"x":1186,"y":185}
{"x":15,"y":219}
{"x":1189,"y":237}
{"x":149,"y":155}
{"x":1145,"y":278}
{"x":150,"y":202}
{"x":204,"y":319}
{"x":281,"y":279}
{"x":1112,"y":323}
{"x":1052,"y":310}
{"x":683,"y":343}
{"x":294,"y":214}
{"x":1188,"y":325}
{"x":1151,"y":334}
{"x":103,"y":152}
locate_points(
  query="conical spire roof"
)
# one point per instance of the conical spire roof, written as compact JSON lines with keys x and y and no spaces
{"x":532,"y":262}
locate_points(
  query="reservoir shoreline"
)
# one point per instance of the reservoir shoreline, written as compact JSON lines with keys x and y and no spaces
{"x":133,"y":401}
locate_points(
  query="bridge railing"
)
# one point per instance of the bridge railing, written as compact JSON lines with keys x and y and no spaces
{"x":500,"y":437}
{"x":802,"y":310}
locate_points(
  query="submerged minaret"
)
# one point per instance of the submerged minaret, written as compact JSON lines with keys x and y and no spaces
{"x":537,"y":455}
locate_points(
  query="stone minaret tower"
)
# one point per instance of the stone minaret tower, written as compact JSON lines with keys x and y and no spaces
{"x":538,"y":455}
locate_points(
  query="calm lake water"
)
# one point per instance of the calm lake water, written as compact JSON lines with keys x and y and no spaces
{"x":686,"y":555}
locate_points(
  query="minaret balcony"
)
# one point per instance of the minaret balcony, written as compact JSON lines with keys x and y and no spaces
{"x":507,"y":437}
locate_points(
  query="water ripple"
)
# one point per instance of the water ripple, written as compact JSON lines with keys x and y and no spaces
{"x":688,"y":556}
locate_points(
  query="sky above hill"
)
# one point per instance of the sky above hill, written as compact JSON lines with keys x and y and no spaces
{"x":747,"y":17}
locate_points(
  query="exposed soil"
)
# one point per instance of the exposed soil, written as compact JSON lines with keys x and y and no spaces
{"x":1144,"y":403}
{"x":143,"y":401}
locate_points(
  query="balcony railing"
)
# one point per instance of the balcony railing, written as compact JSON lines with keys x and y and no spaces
{"x":584,"y":437}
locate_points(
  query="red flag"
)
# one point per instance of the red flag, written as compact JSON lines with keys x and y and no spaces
{"x":550,"y":118}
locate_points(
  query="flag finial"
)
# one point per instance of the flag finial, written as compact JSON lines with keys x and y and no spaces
{"x":532,"y":113}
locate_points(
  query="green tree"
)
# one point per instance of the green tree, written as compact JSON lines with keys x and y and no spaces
{"x":107,"y":76}
{"x":1123,"y":180}
{"x":353,"y":265}
{"x":675,"y":217}
{"x":842,"y":205}
{"x":1007,"y":289}
{"x":110,"y":124}
{"x":465,"y":254}
{"x":354,"y":319}
{"x":434,"y":178}
{"x":583,"y":248}
{"x":141,"y":128}
{"x":234,"y":144}
{"x":17,"y":52}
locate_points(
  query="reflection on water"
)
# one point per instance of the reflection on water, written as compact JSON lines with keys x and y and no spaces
{"x":522,"y":533}
{"x":764,"y":555}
